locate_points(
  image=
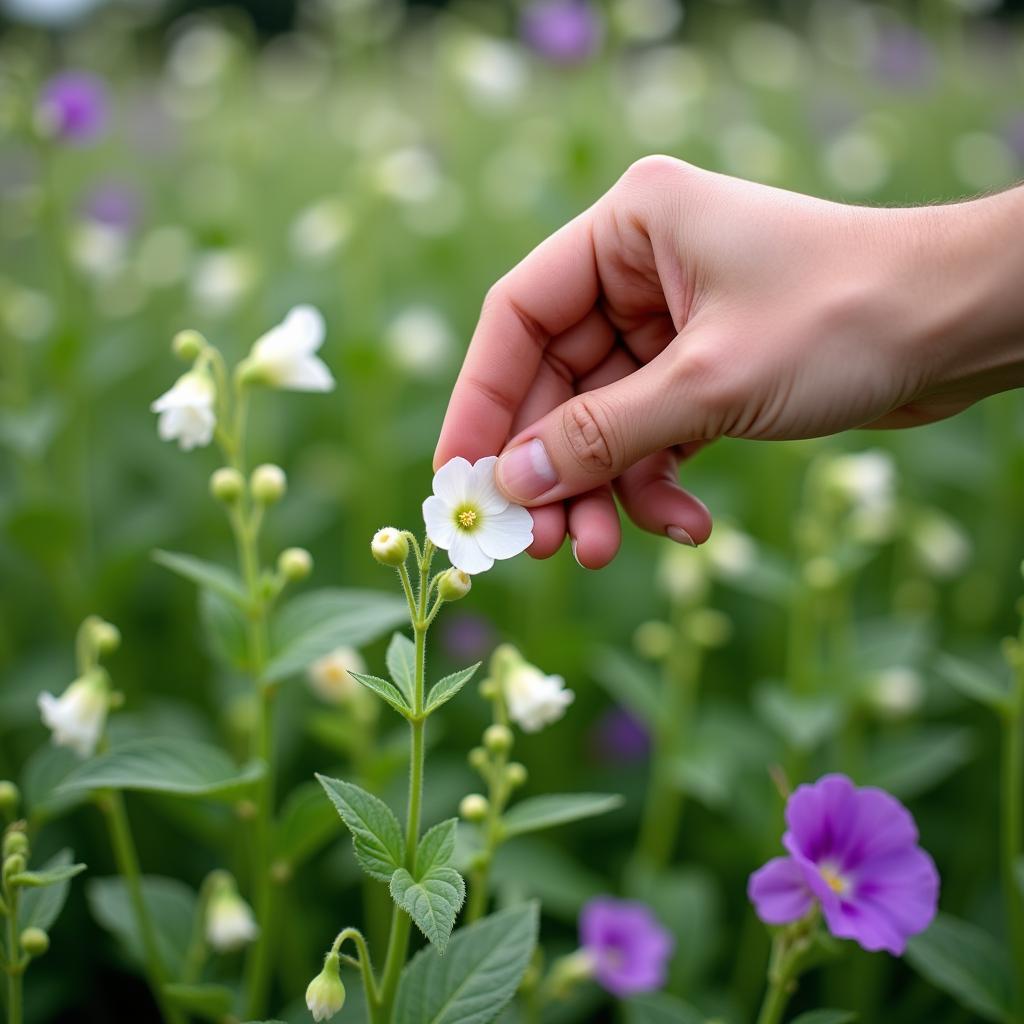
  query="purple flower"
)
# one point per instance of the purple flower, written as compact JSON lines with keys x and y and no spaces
{"x":904,"y":58}
{"x":113,"y":204}
{"x":855,"y":852}
{"x":628,"y":949}
{"x":620,"y":736}
{"x":563,"y":31}
{"x":74,"y":106}
{"x":467,"y":637}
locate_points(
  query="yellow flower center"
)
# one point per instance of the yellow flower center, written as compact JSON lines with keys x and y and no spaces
{"x":467,"y":518}
{"x":833,"y":880}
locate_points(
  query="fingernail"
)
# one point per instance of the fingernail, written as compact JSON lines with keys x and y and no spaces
{"x":574,"y":555}
{"x":525,"y":472}
{"x":680,"y":536}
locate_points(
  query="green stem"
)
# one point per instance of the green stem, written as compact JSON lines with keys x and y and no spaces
{"x":112,"y":805}
{"x":780,"y":983}
{"x":1013,"y":832}
{"x":15,"y":965}
{"x":365,"y":963}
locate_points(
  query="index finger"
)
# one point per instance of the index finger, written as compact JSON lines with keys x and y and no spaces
{"x":554,"y":287}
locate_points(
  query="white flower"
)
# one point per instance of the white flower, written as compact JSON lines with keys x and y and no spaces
{"x":896,"y":692}
{"x":329,"y":676}
{"x":186,"y":411}
{"x":420,"y":341}
{"x":534,"y":699}
{"x":866,"y":482}
{"x":285,"y":356}
{"x":77,"y":717}
{"x":320,"y":230}
{"x":940,"y":545}
{"x":229,"y":919}
{"x":468,"y":516}
{"x":325,"y":994}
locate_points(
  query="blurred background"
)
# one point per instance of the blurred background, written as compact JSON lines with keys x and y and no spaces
{"x":183,"y":164}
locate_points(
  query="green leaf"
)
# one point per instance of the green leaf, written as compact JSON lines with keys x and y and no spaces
{"x":315,"y":623}
{"x":629,"y":683}
{"x":826,"y":1017}
{"x":443,"y":691}
{"x":45,"y":771}
{"x":433,"y":900}
{"x":803,"y":722}
{"x":211,"y":1002}
{"x":401,"y":662}
{"x":375,"y":831}
{"x":40,"y":908}
{"x":207,"y":575}
{"x":661,"y":1008}
{"x":961,"y":959}
{"x":388,"y":692}
{"x":305,"y":824}
{"x":552,"y":809}
{"x":910,"y":765}
{"x":170,"y":902}
{"x":973,"y":682}
{"x":46,"y":876}
{"x":225,"y":627}
{"x":478,"y":975}
{"x":163,"y":765}
{"x":437,"y":846}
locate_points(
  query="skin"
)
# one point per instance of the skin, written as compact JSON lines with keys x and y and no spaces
{"x":685,"y":306}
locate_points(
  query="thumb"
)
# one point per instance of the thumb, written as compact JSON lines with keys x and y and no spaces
{"x":595,"y":436}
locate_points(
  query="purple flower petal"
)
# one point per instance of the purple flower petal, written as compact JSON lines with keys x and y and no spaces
{"x":75,"y":106}
{"x":779,"y":892}
{"x":563,"y":31}
{"x":630,"y":950}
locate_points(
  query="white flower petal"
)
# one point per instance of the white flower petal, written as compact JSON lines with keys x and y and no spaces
{"x":484,"y":490}
{"x":453,"y":480}
{"x":466,"y":554}
{"x":437,"y":516}
{"x":306,"y":328}
{"x":306,"y":374}
{"x":506,"y":534}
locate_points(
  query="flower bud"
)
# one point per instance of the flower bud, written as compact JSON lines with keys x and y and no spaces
{"x":653,"y":640}
{"x":35,"y":941}
{"x":821,"y":573}
{"x":295,"y":564}
{"x":709,"y":628}
{"x":516,"y":774}
{"x":489,"y":689}
{"x":187,"y":345}
{"x":227,"y":485}
{"x":454,"y":584}
{"x":230,"y":923}
{"x":16,"y":842}
{"x":268,"y":483}
{"x":325,"y":994}
{"x":106,"y":637}
{"x":498,"y":739}
{"x":10,"y":797}
{"x":474,"y":807}
{"x":15,"y":864}
{"x":389,"y":546}
{"x":478,"y":758}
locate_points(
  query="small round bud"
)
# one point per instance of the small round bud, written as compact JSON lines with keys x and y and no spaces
{"x":35,"y":941}
{"x":710,"y":628}
{"x":268,"y":483}
{"x":227,"y":485}
{"x":474,"y":807}
{"x":389,"y":546}
{"x":325,"y":994}
{"x":454,"y":584}
{"x":821,"y":573}
{"x":489,"y":689}
{"x":281,"y":872}
{"x":295,"y":564}
{"x":653,"y":640}
{"x":13,"y":865}
{"x":498,"y":739}
{"x":105,"y":635}
{"x":478,"y":758}
{"x":16,"y":842}
{"x":516,"y":774}
{"x":10,"y":797}
{"x":187,"y":345}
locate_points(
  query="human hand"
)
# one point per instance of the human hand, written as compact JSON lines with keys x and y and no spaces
{"x":685,"y":306}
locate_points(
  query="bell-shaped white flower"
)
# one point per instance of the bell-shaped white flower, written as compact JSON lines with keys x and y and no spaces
{"x":76,"y":718}
{"x":330,"y":679}
{"x":285,"y":357}
{"x":468,"y":516}
{"x":325,"y":994}
{"x":230,"y":923}
{"x":533,"y":698}
{"x":187,"y":411}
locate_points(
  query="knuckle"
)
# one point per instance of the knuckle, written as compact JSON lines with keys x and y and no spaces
{"x":653,"y":170}
{"x":589,"y":436}
{"x":715,"y":384}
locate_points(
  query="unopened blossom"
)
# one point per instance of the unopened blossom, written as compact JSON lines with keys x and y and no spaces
{"x":74,"y":107}
{"x":230,"y":923}
{"x":534,"y":699}
{"x":285,"y":357}
{"x":468,"y":516}
{"x":76,"y":718}
{"x":325,"y":994}
{"x":330,"y":676}
{"x":853,"y":851}
{"x":629,"y":950}
{"x":563,"y":31}
{"x":186,"y":411}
